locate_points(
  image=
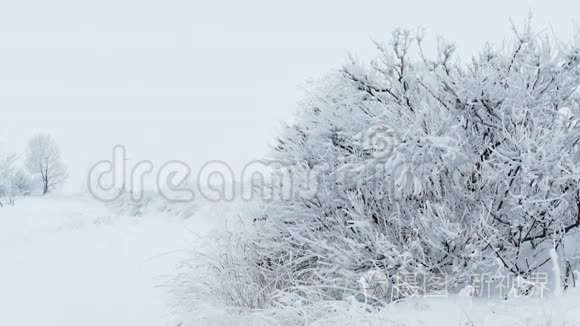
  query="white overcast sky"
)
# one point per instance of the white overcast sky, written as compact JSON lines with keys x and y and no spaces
{"x":202,"y":80}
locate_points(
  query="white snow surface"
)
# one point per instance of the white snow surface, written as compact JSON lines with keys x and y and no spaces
{"x":71,"y":260}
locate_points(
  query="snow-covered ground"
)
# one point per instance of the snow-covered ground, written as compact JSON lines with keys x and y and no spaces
{"x":68,"y":261}
{"x":71,"y":261}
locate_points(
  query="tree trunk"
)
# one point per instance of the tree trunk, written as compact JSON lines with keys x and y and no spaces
{"x":44,"y":187}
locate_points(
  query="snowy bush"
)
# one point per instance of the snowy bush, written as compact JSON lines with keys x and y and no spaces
{"x":22,"y":183}
{"x":7,"y":172}
{"x":149,"y":202}
{"x":426,"y":167}
{"x":14,"y":181}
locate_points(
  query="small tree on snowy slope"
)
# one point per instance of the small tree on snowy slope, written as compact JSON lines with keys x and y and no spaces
{"x":43,"y":160}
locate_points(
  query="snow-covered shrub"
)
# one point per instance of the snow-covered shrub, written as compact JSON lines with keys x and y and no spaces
{"x":426,"y":170}
{"x":150,"y":202}
{"x":7,"y":170}
{"x":14,"y":181}
{"x":240,"y":283}
{"x":21,"y":183}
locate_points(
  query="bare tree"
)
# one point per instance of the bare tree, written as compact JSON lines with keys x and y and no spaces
{"x":43,"y":159}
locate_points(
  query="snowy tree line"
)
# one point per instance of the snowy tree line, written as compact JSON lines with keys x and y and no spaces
{"x":41,"y":170}
{"x":424,"y":166}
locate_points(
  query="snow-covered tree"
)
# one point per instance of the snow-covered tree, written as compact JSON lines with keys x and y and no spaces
{"x":428,"y":167}
{"x":7,"y":170}
{"x":43,"y":160}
